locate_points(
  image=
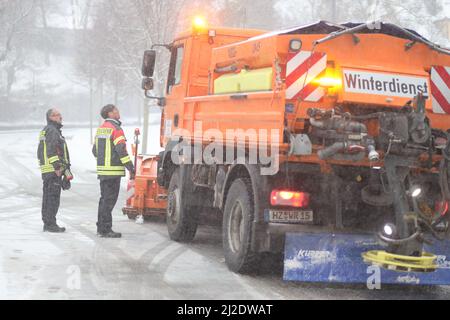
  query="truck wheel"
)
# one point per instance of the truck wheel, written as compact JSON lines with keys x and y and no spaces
{"x":181,"y":219}
{"x":132,"y":216}
{"x":237,"y":229}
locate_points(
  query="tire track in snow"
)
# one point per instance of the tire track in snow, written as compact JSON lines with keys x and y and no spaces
{"x":160,"y":258}
{"x":136,"y":267}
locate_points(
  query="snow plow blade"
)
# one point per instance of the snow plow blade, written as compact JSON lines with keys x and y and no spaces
{"x":338,"y":259}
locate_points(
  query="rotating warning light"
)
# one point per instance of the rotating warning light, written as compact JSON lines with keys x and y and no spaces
{"x":329,"y":82}
{"x":199,"y":23}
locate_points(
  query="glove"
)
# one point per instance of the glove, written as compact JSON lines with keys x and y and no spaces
{"x":65,"y":184}
{"x":132,"y":174}
{"x":131,"y":169}
{"x":68,"y":175}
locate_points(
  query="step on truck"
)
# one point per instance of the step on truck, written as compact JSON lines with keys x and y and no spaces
{"x":329,"y":143}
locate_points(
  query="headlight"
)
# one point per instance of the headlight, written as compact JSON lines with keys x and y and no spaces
{"x":415,"y":191}
{"x":389,"y":230}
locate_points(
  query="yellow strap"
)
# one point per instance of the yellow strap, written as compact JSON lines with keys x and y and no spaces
{"x":104,"y":131}
{"x":111,"y":173}
{"x":119,"y":139}
{"x":125,"y":160}
{"x":66,"y":153}
{"x":53,"y":159}
{"x":45,"y":154}
{"x":47,"y":169}
{"x":116,"y":168}
{"x":108,"y":153}
{"x":96,"y":146}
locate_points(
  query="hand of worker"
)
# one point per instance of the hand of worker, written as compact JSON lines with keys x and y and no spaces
{"x":68,"y":175}
{"x":66,"y":185}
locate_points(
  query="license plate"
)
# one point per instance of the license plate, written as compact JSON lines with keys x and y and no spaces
{"x":289,"y":216}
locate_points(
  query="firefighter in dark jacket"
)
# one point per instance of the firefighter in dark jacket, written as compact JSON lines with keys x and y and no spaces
{"x":110,"y":149}
{"x":54,"y":162}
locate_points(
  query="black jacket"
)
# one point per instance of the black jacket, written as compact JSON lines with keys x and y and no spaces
{"x":52,"y":152}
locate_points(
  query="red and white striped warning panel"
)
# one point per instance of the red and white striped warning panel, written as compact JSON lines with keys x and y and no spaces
{"x":130,"y":192}
{"x":440,"y":89}
{"x":302,"y":69}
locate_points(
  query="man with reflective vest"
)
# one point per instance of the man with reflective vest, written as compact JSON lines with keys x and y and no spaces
{"x":54,"y":162}
{"x":110,"y":149}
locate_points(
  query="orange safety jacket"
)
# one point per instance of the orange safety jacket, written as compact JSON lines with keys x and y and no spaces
{"x":110,"y":149}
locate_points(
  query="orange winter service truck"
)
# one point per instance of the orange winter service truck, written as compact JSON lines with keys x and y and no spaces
{"x":328,"y":143}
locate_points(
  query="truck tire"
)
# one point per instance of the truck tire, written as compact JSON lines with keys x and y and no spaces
{"x":237,"y":229}
{"x":181,"y":219}
{"x":132,"y":216}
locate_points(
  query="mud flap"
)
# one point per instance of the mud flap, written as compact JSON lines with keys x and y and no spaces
{"x":337,"y":259}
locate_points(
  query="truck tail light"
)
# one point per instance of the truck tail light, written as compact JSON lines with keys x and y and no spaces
{"x":442,"y":207}
{"x":289,"y":199}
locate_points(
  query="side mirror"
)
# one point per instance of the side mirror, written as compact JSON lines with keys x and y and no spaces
{"x":162,"y":102}
{"x":147,"y":84}
{"x":148,"y":64}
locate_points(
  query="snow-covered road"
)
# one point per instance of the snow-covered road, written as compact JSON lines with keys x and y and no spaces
{"x":144,"y":264}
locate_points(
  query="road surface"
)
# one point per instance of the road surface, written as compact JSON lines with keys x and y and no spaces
{"x":144,"y":264}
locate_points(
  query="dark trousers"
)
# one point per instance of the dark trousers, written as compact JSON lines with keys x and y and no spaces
{"x":51,"y":200}
{"x":110,"y":189}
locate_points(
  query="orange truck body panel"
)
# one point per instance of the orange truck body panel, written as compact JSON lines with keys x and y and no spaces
{"x":149,"y":197}
{"x":193,"y":101}
{"x":378,"y":54}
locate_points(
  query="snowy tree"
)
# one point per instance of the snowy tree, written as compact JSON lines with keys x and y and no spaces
{"x":245,"y":14}
{"x":13,"y":15}
{"x":122,"y":30}
{"x":112,"y":46}
{"x":419,"y":15}
{"x":14,"y":22}
{"x":31,"y":44}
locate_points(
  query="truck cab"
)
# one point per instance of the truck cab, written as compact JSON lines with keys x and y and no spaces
{"x":189,"y":74}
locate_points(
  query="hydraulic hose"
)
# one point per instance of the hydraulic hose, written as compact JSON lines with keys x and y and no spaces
{"x":339,"y":124}
{"x":317,"y":123}
{"x":352,"y":126}
{"x":443,"y":179}
{"x":332,"y":150}
{"x":444,"y":171}
{"x":432,"y":230}
{"x":368,"y":116}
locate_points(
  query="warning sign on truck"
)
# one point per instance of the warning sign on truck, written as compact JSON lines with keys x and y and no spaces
{"x":440,"y":89}
{"x":393,"y":85}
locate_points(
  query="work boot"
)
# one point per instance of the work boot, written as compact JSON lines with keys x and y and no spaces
{"x":111,"y":234}
{"x":54,"y":229}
